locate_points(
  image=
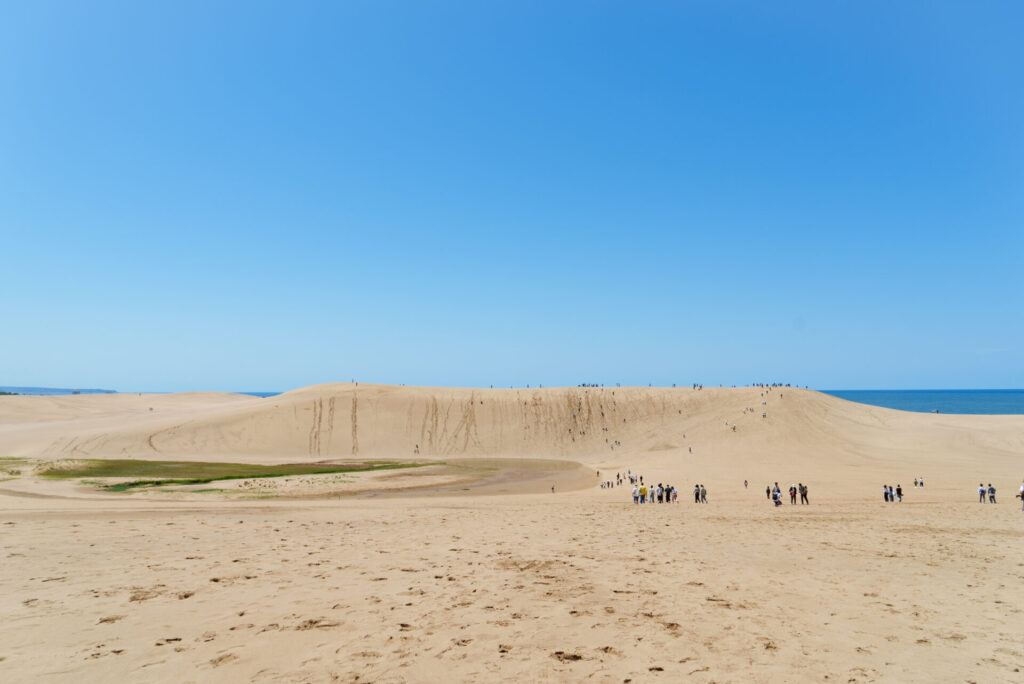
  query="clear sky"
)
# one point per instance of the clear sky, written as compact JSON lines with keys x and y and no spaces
{"x":264,"y":195}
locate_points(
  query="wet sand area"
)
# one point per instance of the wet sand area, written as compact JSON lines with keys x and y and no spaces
{"x":493,"y":476}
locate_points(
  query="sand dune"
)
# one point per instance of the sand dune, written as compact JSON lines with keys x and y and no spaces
{"x":804,"y":434}
{"x":577,"y":585}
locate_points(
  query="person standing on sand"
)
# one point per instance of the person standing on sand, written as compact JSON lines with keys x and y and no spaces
{"x":915,"y":483}
{"x":1021,"y":495}
{"x":803,"y":494}
{"x":768,"y":492}
{"x":920,"y":481}
{"x":899,"y":493}
{"x":636,"y":494}
{"x":991,"y":493}
{"x":792,"y":494}
{"x":746,"y":484}
{"x":885,"y":493}
{"x":981,"y":493}
{"x":643,"y":494}
{"x":703,"y":494}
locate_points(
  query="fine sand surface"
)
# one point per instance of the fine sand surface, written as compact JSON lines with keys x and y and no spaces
{"x":470,"y":569}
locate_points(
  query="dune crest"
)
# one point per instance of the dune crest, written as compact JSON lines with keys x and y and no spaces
{"x":719,"y":431}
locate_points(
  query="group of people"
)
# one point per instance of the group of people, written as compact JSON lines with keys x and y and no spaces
{"x":700,"y":494}
{"x":774,"y":494}
{"x":611,"y":484}
{"x":658,"y":494}
{"x":891,"y":495}
{"x":664,"y":493}
{"x":990,"y":490}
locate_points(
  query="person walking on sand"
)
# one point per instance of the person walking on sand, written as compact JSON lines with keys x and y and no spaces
{"x":915,"y":483}
{"x":643,"y":494}
{"x":746,"y":484}
{"x":636,"y":494}
{"x":899,"y":493}
{"x":981,"y":493}
{"x":703,"y":494}
{"x":696,"y":493}
{"x":885,"y":493}
{"x":1021,"y":495}
{"x":792,"y":494}
{"x":991,"y":493}
{"x":803,"y":494}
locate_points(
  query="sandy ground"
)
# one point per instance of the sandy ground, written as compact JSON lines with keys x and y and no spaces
{"x":482,"y":586}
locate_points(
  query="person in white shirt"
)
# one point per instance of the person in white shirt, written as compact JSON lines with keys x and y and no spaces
{"x":1021,"y":495}
{"x":636,"y":494}
{"x":981,"y":493}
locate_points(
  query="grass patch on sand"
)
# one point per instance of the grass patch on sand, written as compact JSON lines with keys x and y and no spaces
{"x":161,"y":473}
{"x":12,"y":466}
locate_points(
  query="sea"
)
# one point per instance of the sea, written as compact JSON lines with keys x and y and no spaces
{"x":58,"y":391}
{"x":51,"y":391}
{"x":979,"y":402}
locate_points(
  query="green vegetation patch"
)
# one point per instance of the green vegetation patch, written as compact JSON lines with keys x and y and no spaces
{"x":161,"y":473}
{"x":12,"y":466}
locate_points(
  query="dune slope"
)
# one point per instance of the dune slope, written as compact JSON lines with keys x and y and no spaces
{"x":752,"y":433}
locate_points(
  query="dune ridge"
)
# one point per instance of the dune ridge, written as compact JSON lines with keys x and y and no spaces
{"x":720,"y":431}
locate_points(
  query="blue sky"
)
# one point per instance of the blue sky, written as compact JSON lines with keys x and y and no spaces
{"x":264,"y":195}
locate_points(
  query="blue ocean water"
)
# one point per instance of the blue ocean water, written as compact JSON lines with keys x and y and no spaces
{"x":57,"y":391}
{"x":987,"y":402}
{"x":52,"y":391}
